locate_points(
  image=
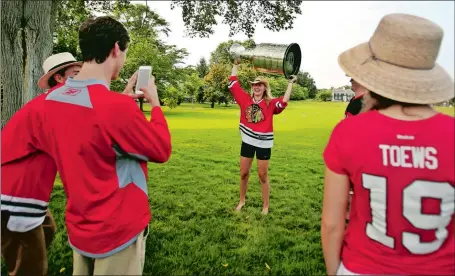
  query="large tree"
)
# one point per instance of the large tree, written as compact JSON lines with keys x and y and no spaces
{"x":71,"y":14}
{"x":304,"y":79}
{"x":202,"y":67}
{"x":28,"y":31}
{"x":26,"y":40}
{"x":144,"y":26}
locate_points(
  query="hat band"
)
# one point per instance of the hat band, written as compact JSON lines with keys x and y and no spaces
{"x":61,"y":64}
{"x":373,"y":57}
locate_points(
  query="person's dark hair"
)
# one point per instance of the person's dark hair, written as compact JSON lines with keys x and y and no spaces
{"x":51,"y":81}
{"x":97,"y":37}
{"x":382,"y":102}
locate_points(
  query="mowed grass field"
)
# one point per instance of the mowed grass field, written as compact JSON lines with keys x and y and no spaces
{"x":194,"y":230}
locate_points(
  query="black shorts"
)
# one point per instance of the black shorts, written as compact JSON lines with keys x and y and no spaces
{"x":248,"y":151}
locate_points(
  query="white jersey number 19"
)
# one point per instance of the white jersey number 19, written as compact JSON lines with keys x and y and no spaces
{"x":412,"y":211}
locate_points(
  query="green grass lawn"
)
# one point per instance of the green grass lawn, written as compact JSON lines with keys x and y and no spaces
{"x":194,"y":230}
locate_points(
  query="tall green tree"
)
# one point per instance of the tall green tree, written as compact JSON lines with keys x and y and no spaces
{"x":202,"y":67}
{"x":192,"y":85}
{"x":217,"y":82}
{"x":304,"y":79}
{"x":70,"y":15}
{"x":144,"y":26}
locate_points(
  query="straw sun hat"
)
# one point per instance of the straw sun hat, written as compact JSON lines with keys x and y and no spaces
{"x":399,"y":61}
{"x":55,"y":63}
{"x":260,"y":80}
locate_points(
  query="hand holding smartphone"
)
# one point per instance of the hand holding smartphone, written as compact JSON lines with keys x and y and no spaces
{"x":143,"y":78}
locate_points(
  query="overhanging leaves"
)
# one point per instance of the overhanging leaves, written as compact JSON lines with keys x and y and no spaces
{"x":241,"y":16}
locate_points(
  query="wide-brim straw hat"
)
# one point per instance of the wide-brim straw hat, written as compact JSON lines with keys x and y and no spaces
{"x":399,"y":61}
{"x":55,"y":63}
{"x":260,"y":80}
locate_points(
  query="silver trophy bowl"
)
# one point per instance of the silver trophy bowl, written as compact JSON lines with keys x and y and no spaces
{"x":270,"y":58}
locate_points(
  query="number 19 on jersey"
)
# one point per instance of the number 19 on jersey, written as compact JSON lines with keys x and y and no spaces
{"x":412,"y":197}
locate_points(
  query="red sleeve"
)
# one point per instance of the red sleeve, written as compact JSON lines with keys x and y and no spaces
{"x":20,"y":134}
{"x":240,"y":95}
{"x":333,"y":152}
{"x":279,"y":105}
{"x":135,"y":136}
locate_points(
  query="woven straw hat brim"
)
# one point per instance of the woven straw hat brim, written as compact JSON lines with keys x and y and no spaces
{"x":254,"y":82}
{"x":395,"y":82}
{"x":43,"y":81}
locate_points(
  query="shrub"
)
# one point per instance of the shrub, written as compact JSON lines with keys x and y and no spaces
{"x":325,"y":95}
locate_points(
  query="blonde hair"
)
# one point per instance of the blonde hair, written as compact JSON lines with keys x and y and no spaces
{"x":267,"y":95}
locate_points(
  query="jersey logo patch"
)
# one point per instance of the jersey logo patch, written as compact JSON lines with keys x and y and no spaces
{"x":254,"y":114}
{"x":72,"y":91}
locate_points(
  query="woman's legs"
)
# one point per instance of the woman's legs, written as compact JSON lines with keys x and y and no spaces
{"x":245,"y":166}
{"x":263,"y":173}
{"x":263,"y":157}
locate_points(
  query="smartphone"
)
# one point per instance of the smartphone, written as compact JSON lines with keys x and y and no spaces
{"x":143,"y":77}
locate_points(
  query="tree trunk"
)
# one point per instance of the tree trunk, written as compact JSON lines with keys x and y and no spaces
{"x":26,"y":42}
{"x":212,"y":105}
{"x":12,"y":59}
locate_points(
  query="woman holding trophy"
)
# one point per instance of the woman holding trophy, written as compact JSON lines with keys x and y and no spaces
{"x":256,"y":128}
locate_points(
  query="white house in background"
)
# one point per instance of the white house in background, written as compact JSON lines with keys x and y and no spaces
{"x":342,"y":95}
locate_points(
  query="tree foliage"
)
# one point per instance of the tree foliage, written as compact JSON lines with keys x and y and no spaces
{"x":202,"y":67}
{"x":221,"y":54}
{"x":217,"y":82}
{"x":278,"y":87}
{"x":193,"y":83}
{"x":304,"y":79}
{"x":325,"y":95}
{"x":70,"y":15}
{"x":144,"y":26}
{"x":241,"y":16}
{"x":140,"y":20}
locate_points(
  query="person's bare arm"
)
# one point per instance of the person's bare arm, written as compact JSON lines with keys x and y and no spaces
{"x":235,"y":69}
{"x":287,"y":94}
{"x":336,"y":194}
{"x":239,"y":95}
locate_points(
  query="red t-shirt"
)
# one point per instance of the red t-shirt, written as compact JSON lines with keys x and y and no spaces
{"x":404,"y":192}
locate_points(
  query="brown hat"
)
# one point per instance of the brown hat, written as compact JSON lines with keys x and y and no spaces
{"x":399,"y":61}
{"x":55,"y":63}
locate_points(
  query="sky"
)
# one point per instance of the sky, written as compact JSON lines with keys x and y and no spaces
{"x":323,"y":31}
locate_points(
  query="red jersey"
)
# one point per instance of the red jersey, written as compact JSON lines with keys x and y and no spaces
{"x":256,"y":118}
{"x":100,"y":141}
{"x":404,"y":192}
{"x":27,"y":175}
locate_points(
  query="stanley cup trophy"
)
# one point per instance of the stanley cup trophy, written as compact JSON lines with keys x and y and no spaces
{"x":270,"y":58}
